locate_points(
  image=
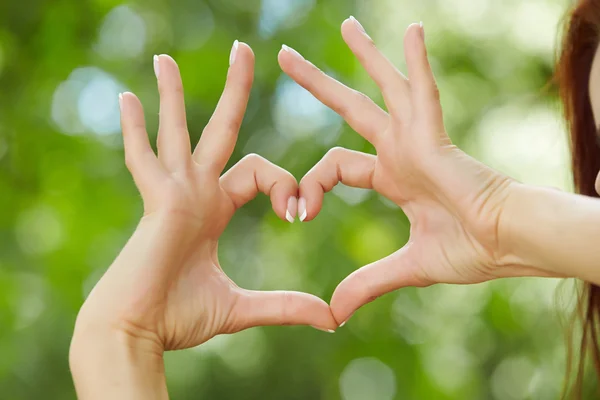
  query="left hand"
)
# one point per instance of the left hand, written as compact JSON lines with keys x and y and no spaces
{"x":167,"y":285}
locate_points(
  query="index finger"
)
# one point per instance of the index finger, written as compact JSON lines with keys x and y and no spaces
{"x":361,"y":113}
{"x":352,"y":168}
{"x":255,"y":174}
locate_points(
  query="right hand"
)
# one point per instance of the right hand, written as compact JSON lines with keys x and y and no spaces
{"x":454,"y":203}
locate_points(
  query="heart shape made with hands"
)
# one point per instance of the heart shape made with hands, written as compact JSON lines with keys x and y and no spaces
{"x":167,"y":282}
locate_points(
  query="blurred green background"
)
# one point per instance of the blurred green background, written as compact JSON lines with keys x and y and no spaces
{"x":68,"y":204}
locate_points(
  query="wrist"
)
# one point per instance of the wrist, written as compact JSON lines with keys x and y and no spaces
{"x":113,"y":363}
{"x":508,"y":254}
{"x":526,"y":218}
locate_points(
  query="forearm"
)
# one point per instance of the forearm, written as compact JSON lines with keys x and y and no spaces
{"x":116,"y":366}
{"x":553,"y":231}
{"x":113,"y":353}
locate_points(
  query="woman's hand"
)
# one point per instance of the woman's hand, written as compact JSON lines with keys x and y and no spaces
{"x":166,"y":289}
{"x":453,"y":202}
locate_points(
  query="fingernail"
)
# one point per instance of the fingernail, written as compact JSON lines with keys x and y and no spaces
{"x":292,"y":207}
{"x":422,"y":30}
{"x":323,"y":329}
{"x":344,"y":323}
{"x":302,"y":209}
{"x":358,"y":24}
{"x":291,"y":51}
{"x":233,"y":52}
{"x":156,"y":69}
{"x":121,"y":102}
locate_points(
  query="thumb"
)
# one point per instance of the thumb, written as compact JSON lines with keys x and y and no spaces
{"x":256,"y":308}
{"x":372,"y":281}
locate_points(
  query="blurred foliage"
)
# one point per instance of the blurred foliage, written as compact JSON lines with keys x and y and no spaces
{"x":68,"y":204}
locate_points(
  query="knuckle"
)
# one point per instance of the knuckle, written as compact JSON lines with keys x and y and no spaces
{"x":253,"y":160}
{"x":361,"y":97}
{"x":232,"y":127}
{"x":435,"y":91}
{"x":178,"y":89}
{"x":334,"y":153}
{"x":287,"y":303}
{"x":130,"y":162}
{"x":247,"y":84}
{"x":347,"y":109}
{"x":343,"y":109}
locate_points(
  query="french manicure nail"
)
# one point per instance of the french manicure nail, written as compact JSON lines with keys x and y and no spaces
{"x":292,"y":207}
{"x":289,"y":217}
{"x":323,"y":330}
{"x":302,"y":209}
{"x":358,"y":24}
{"x":422,"y":30}
{"x":121,"y":102}
{"x":156,"y":68}
{"x":291,"y":51}
{"x":233,"y":52}
{"x":347,"y":319}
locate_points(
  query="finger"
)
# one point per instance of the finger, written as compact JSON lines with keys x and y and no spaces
{"x":254,"y":308}
{"x":423,"y":89}
{"x":139,"y":156}
{"x":173,"y":137}
{"x":352,"y":168}
{"x":372,"y":281}
{"x":220,"y":135}
{"x":392,"y":83}
{"x":254,"y":174}
{"x":361,"y":113}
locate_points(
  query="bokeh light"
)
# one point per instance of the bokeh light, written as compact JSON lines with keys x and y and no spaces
{"x":39,"y":230}
{"x":514,"y":379}
{"x":275,"y":14}
{"x":367,"y":378}
{"x":122,"y":34}
{"x":88,"y":102}
{"x":298,"y":114}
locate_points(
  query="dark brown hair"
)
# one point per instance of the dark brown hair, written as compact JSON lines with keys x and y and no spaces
{"x":580,"y":42}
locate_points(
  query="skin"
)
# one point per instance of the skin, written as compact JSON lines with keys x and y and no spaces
{"x":166,"y":289}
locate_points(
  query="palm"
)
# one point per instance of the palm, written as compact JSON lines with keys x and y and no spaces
{"x":435,"y":258}
{"x":437,"y":231}
{"x":196,"y":304}
{"x":199,"y":303}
